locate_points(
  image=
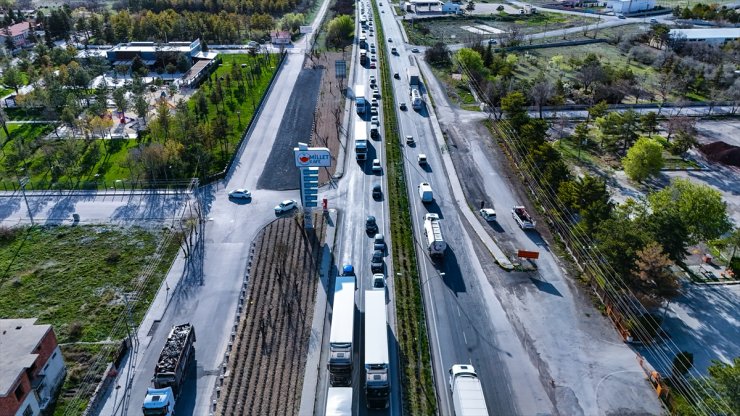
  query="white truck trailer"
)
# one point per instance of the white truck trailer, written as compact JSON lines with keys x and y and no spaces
{"x":377,"y":380}
{"x":435,"y":243}
{"x":339,"y":401}
{"x":342,"y":331}
{"x":467,"y":393}
{"x":416,"y":102}
{"x":360,"y":99}
{"x":360,"y":139}
{"x":414,"y":78}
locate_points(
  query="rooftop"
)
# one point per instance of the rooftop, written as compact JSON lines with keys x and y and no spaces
{"x":184,"y":47}
{"x":18,"y":337}
{"x":714,"y":33}
{"x":16,"y":29}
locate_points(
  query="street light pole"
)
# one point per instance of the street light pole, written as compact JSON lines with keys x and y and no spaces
{"x":23,"y":183}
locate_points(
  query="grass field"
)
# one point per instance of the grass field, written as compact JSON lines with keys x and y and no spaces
{"x":450,"y":30}
{"x":78,"y":280}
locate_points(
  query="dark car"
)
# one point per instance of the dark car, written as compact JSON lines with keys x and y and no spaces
{"x":376,"y":264}
{"x":377,"y":192}
{"x":371,"y":227}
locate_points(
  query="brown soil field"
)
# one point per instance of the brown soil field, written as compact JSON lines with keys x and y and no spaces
{"x":329,"y":108}
{"x":268,"y":356}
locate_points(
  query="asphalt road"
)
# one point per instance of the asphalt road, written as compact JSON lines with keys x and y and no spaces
{"x":463,"y":314}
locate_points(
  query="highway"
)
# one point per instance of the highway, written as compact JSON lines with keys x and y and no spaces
{"x":463,"y":314}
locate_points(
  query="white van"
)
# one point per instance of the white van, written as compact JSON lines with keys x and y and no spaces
{"x":425,"y":192}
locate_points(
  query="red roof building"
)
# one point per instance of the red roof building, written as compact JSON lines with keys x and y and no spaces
{"x":19,"y":32}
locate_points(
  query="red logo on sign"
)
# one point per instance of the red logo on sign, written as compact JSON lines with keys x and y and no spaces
{"x":304,"y":159}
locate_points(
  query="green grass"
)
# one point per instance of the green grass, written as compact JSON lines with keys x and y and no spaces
{"x":6,"y":91}
{"x":75,"y":278}
{"x":22,"y":114}
{"x":416,"y":373}
{"x":676,"y":163}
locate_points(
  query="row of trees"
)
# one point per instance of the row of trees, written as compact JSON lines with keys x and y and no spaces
{"x":713,"y":12}
{"x":245,"y":7}
{"x":639,"y":239}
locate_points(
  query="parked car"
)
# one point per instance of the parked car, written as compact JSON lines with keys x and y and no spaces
{"x":240,"y":194}
{"x":378,"y":281}
{"x":654,"y":21}
{"x":376,"y":165}
{"x":488,"y":214}
{"x":415,"y":50}
{"x":374,"y":121}
{"x":621,"y":16}
{"x":371,"y":226}
{"x":285,"y":206}
{"x":376,"y":263}
{"x":373,"y":65}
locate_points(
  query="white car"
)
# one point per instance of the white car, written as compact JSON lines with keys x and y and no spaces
{"x":376,"y":165}
{"x":285,"y":206}
{"x":379,"y":281}
{"x":240,"y":194}
{"x":488,"y":214}
{"x":374,"y":120}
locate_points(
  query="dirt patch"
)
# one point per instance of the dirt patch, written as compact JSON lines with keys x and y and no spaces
{"x":327,"y":122}
{"x":268,"y":356}
{"x":722,"y":152}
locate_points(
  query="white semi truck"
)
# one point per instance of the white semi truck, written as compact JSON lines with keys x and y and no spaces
{"x":339,"y":401}
{"x":377,"y":381}
{"x":435,"y":243}
{"x":467,"y":393}
{"x":360,"y":99}
{"x":342,"y":329}
{"x":360,"y":139}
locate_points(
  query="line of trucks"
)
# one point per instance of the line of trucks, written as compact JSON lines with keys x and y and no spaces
{"x":170,"y":372}
{"x":341,"y":347}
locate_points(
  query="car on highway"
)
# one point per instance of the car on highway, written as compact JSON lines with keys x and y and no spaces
{"x":621,"y":16}
{"x":240,"y":194}
{"x":396,"y":76}
{"x":376,"y":93}
{"x":377,"y":192}
{"x":374,"y":111}
{"x":374,"y":120}
{"x":390,"y":40}
{"x":373,"y":65}
{"x":653,"y":21}
{"x":374,"y":102}
{"x":371,"y":226}
{"x":376,"y":165}
{"x":372,"y":80}
{"x":378,"y":281}
{"x":285,"y":206}
{"x":410,"y":140}
{"x":421,"y":159}
{"x":376,"y":263}
{"x":402,"y":106}
{"x":488,"y":214}
{"x":379,"y":243}
{"x":415,"y":50}
{"x":394,"y":51}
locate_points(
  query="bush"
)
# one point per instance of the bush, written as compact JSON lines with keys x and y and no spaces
{"x":75,"y":330}
{"x":8,"y":234}
{"x":642,"y":54}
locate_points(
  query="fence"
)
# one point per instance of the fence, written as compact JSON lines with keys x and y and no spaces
{"x":10,"y":185}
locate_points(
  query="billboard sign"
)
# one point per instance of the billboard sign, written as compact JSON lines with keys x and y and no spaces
{"x":312,"y":157}
{"x":306,"y":29}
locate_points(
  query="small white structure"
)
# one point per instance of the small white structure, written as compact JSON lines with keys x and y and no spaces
{"x":452,"y":8}
{"x":630,"y":6}
{"x":713,"y":36}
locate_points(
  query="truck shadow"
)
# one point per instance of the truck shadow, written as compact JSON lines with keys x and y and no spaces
{"x":185,"y":403}
{"x":452,"y":273}
{"x":433,"y":207}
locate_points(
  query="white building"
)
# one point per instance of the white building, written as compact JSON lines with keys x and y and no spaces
{"x":452,"y":8}
{"x":630,"y":6}
{"x":712,"y":36}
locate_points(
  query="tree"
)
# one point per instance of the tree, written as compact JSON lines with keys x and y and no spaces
{"x":669,"y":231}
{"x":12,"y":78}
{"x":700,"y":207}
{"x":3,"y":122}
{"x":618,"y":240}
{"x":682,"y":143}
{"x":589,"y":197}
{"x":649,"y":122}
{"x":471,"y":61}
{"x":541,"y":92}
{"x":580,"y":135}
{"x":653,"y":280}
{"x":514,"y":108}
{"x":682,"y":363}
{"x":598,"y":110}
{"x":644,"y":159}
{"x":119,"y":98}
{"x":725,"y":380}
{"x":340,"y":30}
{"x":495,"y":91}
{"x":438,"y":55}
{"x":142,"y":108}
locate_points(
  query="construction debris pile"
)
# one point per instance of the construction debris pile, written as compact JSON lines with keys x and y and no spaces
{"x":173,"y":348}
{"x":722,"y":152}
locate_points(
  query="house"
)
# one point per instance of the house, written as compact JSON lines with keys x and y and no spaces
{"x":452,"y":8}
{"x":630,"y":6}
{"x":31,"y":367}
{"x":19,"y":32}
{"x":280,"y":38}
{"x":712,"y":36}
{"x":151,"y":53}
